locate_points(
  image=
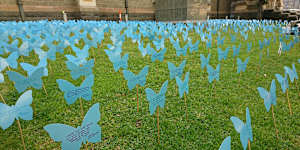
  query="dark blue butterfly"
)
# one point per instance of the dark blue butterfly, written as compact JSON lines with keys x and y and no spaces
{"x":22,"y":110}
{"x":269,"y":97}
{"x":242,"y":65}
{"x":176,"y":71}
{"x":71,"y":137}
{"x":134,"y":80}
{"x":204,"y":60}
{"x":22,"y":83}
{"x":72,"y":93}
{"x":158,"y":55}
{"x":84,"y":69}
{"x":183,"y":86}
{"x":156,"y":100}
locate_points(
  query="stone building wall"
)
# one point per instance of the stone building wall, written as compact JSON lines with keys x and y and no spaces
{"x":198,"y":9}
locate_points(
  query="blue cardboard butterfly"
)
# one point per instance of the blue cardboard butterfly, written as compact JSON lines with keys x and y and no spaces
{"x":249,"y":47}
{"x":22,"y":83}
{"x":117,"y":60}
{"x":183,"y":86}
{"x":22,"y":110}
{"x":242,"y":65}
{"x":213,"y":74}
{"x":10,"y":61}
{"x":261,"y":45}
{"x":233,"y":38}
{"x":208,"y":44}
{"x":291,"y":72}
{"x":84,"y":69}
{"x":133,"y":80}
{"x":1,"y":78}
{"x":204,"y":60}
{"x":220,"y":41}
{"x":193,"y":47}
{"x":269,"y":97}
{"x":236,"y":50}
{"x":226,"y":144}
{"x":176,"y":71}
{"x":245,"y":130}
{"x":81,"y":55}
{"x":72,"y":138}
{"x":156,"y":100}
{"x":159,"y":44}
{"x":30,"y":68}
{"x":148,"y":50}
{"x":72,"y":93}
{"x":283,"y":81}
{"x":158,"y":55}
{"x":222,"y":54}
{"x":181,"y":50}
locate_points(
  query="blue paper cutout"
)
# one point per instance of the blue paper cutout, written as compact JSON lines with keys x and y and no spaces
{"x":181,"y":50}
{"x":222,"y":54}
{"x":226,"y":144}
{"x":84,"y":69}
{"x":233,"y":38}
{"x":159,"y":44}
{"x":148,"y":50}
{"x":193,"y":47}
{"x":10,"y":61}
{"x":204,"y":60}
{"x":81,"y":55}
{"x":220,"y":41}
{"x":1,"y":78}
{"x":158,"y":55}
{"x":249,"y":47}
{"x":291,"y":72}
{"x":236,"y":51}
{"x":283,"y":81}
{"x":245,"y":130}
{"x":242,"y":65}
{"x":71,"y":137}
{"x":183,"y":86}
{"x":133,"y":80}
{"x":30,"y":68}
{"x":208,"y":44}
{"x":22,"y":110}
{"x":22,"y":83}
{"x":269,"y":97}
{"x":213,"y":74}
{"x":156,"y":99}
{"x":176,"y":71}
{"x":72,"y":93}
{"x":261,"y":45}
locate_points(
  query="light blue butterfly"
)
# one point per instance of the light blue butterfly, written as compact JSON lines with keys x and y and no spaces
{"x":249,"y":47}
{"x":176,"y":71}
{"x":193,"y":47}
{"x":50,"y":54}
{"x":245,"y":130}
{"x":283,"y":81}
{"x":208,"y":44}
{"x":133,"y":80}
{"x":1,"y":78}
{"x":291,"y":72}
{"x":226,"y":144}
{"x":236,"y":51}
{"x":242,"y":65}
{"x":222,"y":54}
{"x":159,"y":44}
{"x":30,"y":68}
{"x":156,"y":99}
{"x":22,"y":110}
{"x":261,"y":45}
{"x":72,"y":93}
{"x":121,"y":62}
{"x":81,"y":55}
{"x":204,"y":60}
{"x":233,"y":38}
{"x":213,"y":74}
{"x":299,"y":61}
{"x":158,"y":55}
{"x":220,"y":41}
{"x":71,"y":137}
{"x":181,"y":50}
{"x":269,"y":97}
{"x":22,"y":83}
{"x":183,"y":86}
{"x":10,"y":61}
{"x":84,"y":69}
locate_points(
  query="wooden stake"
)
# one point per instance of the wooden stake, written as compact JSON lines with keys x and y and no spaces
{"x":275,"y":122}
{"x":158,"y":124}
{"x":185,"y":106}
{"x":287,"y":96}
{"x":137,"y":97}
{"x":81,"y":108}
{"x":45,"y":90}
{"x":2,"y":99}
{"x":8,"y":68}
{"x":249,"y":145}
{"x":19,"y":124}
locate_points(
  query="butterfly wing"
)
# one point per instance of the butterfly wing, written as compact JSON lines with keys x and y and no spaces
{"x":130,"y":77}
{"x":240,"y":64}
{"x":35,"y":79}
{"x":186,"y":82}
{"x":237,"y":123}
{"x":142,"y":76}
{"x":23,"y":106}
{"x":85,"y":89}
{"x":295,"y":72}
{"x":248,"y":124}
{"x":210,"y":72}
{"x":280,"y":79}
{"x":161,"y":55}
{"x":90,"y":127}
{"x":1,"y":78}
{"x":69,"y":90}
{"x":12,"y":60}
{"x":152,"y":98}
{"x":28,"y":67}
{"x":220,"y":54}
{"x":217,"y":72}
{"x":7,"y":116}
{"x":65,"y":134}
{"x":21,"y":82}
{"x":180,"y":86}
{"x":226,"y":144}
{"x":265,"y":95}
{"x":273,"y":92}
{"x":162,"y":94}
{"x":172,"y":68}
{"x":290,"y":72}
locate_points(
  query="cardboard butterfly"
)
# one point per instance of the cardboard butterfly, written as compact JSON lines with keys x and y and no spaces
{"x":1,"y":78}
{"x":222,"y":54}
{"x":159,"y":44}
{"x":204,"y":60}
{"x":269,"y":97}
{"x":81,"y":55}
{"x":72,"y":93}
{"x":249,"y":47}
{"x":183,"y":86}
{"x":30,"y":68}
{"x":236,"y":50}
{"x":181,"y":50}
{"x":283,"y":81}
{"x":261,"y":45}
{"x":133,"y":80}
{"x":176,"y":71}
{"x":156,"y":100}
{"x":193,"y":47}
{"x":148,"y":50}
{"x":22,"y":83}
{"x":22,"y":110}
{"x":244,"y":129}
{"x":220,"y":41}
{"x":158,"y":55}
{"x":212,"y":73}
{"x":208,"y":44}
{"x":84,"y":69}
{"x":72,"y":138}
{"x":10,"y":61}
{"x":242,"y":65}
{"x":117,"y":60}
{"x":226,"y":144}
{"x":291,"y":72}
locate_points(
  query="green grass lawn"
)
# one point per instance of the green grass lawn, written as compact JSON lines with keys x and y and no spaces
{"x":209,"y":106}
